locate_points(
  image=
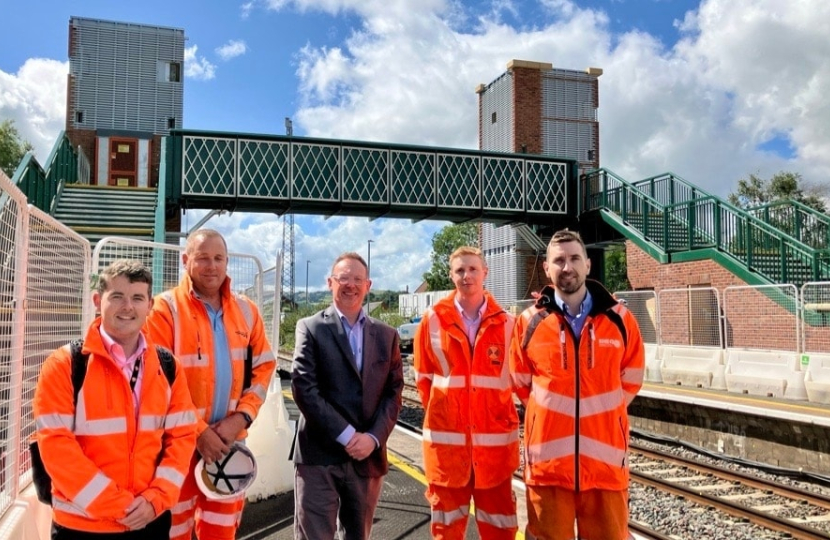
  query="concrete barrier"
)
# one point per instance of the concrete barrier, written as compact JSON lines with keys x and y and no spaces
{"x":817,"y":377}
{"x":27,"y":518}
{"x":653,"y":361}
{"x":270,"y":440}
{"x":701,"y":367}
{"x":765,"y":373}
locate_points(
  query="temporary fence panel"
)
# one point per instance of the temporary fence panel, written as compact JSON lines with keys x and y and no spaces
{"x":761,"y":317}
{"x":690,"y":317}
{"x":643,"y":305}
{"x":815,"y":318}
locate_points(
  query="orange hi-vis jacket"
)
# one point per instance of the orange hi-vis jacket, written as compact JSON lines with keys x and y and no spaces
{"x":470,"y":423}
{"x":577,"y":390}
{"x":180,"y":322}
{"x":100,"y":454}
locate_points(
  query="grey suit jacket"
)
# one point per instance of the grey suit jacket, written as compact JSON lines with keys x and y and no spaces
{"x":331,"y":393}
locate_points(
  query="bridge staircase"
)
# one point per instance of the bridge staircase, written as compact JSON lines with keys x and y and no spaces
{"x":674,"y":221}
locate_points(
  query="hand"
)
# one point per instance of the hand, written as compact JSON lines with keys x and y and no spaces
{"x":360,"y":446}
{"x":230,"y":427}
{"x":139,"y":514}
{"x":210,"y":446}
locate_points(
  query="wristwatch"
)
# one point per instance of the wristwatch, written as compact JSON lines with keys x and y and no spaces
{"x":248,"y":419}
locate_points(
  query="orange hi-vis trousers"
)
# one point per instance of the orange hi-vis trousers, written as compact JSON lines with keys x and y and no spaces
{"x":213,"y":520}
{"x":598,"y":514}
{"x":495,"y":511}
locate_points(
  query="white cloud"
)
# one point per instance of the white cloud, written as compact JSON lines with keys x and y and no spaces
{"x":35,"y":98}
{"x":197,"y":67}
{"x":232,"y":49}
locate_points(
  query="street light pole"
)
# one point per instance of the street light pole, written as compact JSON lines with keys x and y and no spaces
{"x":368,"y":268}
{"x":306,"y":282}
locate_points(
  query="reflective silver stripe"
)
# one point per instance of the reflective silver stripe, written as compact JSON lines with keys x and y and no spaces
{"x":632,"y":376}
{"x":222,"y":519}
{"x":422,"y":376}
{"x":521,"y":380}
{"x":55,"y":421}
{"x":553,"y":401}
{"x":91,"y":491}
{"x":232,"y":405}
{"x":192,"y":360}
{"x":445,"y":437}
{"x":200,"y":413}
{"x":170,"y":298}
{"x":238,"y":354}
{"x":493,"y":383}
{"x":556,"y":448}
{"x":615,"y":457}
{"x":435,"y":341}
{"x":150,"y":422}
{"x":629,"y":397}
{"x":246,"y":310}
{"x":454,"y":381}
{"x":601,"y":403}
{"x":171,"y":475}
{"x":445,"y":517}
{"x":259,"y":391}
{"x":174,"y":420}
{"x":110,"y":426}
{"x":265,"y":357}
{"x":65,"y":506}
{"x":182,"y":529}
{"x":495,"y":439}
{"x":500,"y":521}
{"x":184,"y":506}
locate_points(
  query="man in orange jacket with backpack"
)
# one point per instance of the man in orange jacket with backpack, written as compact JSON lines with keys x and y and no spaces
{"x":117,"y":442}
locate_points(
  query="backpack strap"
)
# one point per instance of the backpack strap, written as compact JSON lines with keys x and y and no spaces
{"x":247,"y":378}
{"x":79,"y":362}
{"x":168,"y":365}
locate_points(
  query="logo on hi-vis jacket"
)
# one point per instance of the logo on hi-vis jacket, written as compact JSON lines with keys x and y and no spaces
{"x":495,"y":353}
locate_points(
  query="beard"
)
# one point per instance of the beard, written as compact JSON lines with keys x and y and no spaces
{"x":569,"y":283}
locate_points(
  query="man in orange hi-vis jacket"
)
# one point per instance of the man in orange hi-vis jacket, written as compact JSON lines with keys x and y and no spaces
{"x":219,"y":337}
{"x":118,"y":452}
{"x":471,"y":429}
{"x":576,"y":361}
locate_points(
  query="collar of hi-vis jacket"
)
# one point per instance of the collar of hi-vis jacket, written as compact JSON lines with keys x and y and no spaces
{"x":94,"y":345}
{"x":227,"y":298}
{"x":602,"y":299}
{"x":449,"y":316}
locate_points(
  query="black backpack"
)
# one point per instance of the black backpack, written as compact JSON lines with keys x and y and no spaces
{"x":41,"y":478}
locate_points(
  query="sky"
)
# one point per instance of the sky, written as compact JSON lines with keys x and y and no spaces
{"x":711,"y":90}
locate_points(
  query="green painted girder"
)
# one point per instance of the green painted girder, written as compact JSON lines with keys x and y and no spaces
{"x":271,"y":173}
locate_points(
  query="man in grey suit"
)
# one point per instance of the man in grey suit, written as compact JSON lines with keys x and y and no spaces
{"x":347,"y":380}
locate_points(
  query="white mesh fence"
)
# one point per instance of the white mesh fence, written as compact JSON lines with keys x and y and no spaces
{"x":643,"y":305}
{"x":763,"y":317}
{"x":690,"y":317}
{"x":815,"y":318}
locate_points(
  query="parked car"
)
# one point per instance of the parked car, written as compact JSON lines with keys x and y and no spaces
{"x":406,"y":333}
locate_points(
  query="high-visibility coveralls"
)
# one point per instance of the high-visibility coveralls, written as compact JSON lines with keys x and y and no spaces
{"x":470,"y":432}
{"x":179,"y":321}
{"x":99,"y":453}
{"x":577,"y":390}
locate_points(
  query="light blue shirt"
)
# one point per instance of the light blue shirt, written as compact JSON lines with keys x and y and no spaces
{"x":576,"y":321}
{"x":222,"y":370}
{"x":471,"y":326}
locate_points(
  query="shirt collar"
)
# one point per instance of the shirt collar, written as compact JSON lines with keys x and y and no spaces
{"x":586,"y":303}
{"x":116,"y":351}
{"x":360,"y":318}
{"x":460,"y":309}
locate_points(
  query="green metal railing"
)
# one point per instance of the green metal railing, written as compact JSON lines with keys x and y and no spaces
{"x":797,"y":220}
{"x":704,"y":222}
{"x":668,"y":188}
{"x":41,"y":186}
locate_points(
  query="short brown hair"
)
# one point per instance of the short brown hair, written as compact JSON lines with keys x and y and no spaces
{"x":467,"y":250}
{"x":133,"y":270}
{"x":350,"y":255}
{"x":204,"y":233}
{"x":563,"y":237}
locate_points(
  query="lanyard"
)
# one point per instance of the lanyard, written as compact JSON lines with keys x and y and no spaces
{"x":134,"y":376}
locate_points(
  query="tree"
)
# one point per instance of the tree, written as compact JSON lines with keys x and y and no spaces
{"x":755,"y":191}
{"x":12,"y":147}
{"x":444,"y":242}
{"x":616,"y":269}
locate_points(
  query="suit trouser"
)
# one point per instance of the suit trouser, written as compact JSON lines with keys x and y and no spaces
{"x":326,"y":494}
{"x":158,"y":528}
{"x":495,"y":511}
{"x":599,"y":514}
{"x":213,"y":520}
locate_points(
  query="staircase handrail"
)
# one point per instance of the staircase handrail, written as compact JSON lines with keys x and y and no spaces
{"x":679,"y":190}
{"x":41,"y":186}
{"x":620,"y":195}
{"x":806,"y":220}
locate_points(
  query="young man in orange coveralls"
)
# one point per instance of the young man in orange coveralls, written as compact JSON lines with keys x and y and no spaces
{"x":212,"y":330}
{"x":118,"y":453}
{"x":576,"y":360}
{"x":471,"y":437}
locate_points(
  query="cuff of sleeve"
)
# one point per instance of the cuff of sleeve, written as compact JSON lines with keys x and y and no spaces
{"x":377,"y":443}
{"x":347,"y":435}
{"x":152,"y":497}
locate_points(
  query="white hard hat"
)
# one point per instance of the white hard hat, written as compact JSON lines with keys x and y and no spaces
{"x":229,"y":476}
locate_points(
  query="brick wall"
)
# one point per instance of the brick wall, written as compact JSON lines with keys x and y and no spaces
{"x":85,"y":138}
{"x":527,"y":108}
